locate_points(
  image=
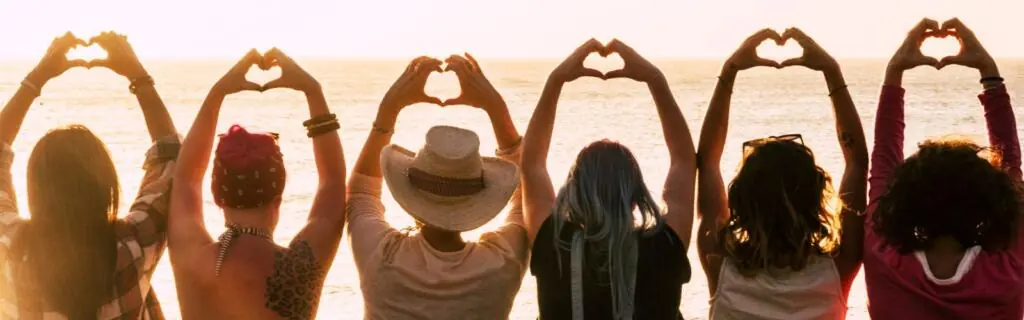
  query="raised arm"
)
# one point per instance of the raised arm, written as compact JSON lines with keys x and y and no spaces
{"x":538,"y":193}
{"x":53,"y":64}
{"x":712,"y":204}
{"x":679,"y":184}
{"x":187,"y":230}
{"x":367,"y":226}
{"x":853,"y":186}
{"x":999,"y":117}
{"x":478,"y":92}
{"x":327,"y":215}
{"x":121,"y":59}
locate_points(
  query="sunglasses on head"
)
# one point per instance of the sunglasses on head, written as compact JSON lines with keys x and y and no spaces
{"x":750,"y":145}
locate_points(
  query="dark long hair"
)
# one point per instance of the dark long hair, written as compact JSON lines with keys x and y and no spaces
{"x":69,"y":244}
{"x":948,"y":188}
{"x":779,"y":205}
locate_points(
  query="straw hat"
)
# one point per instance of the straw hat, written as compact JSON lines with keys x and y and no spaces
{"x":448,"y":185}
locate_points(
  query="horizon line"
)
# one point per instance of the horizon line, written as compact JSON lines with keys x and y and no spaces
{"x":404,"y":58}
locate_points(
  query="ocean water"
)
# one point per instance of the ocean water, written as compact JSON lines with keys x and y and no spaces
{"x":765,"y":102}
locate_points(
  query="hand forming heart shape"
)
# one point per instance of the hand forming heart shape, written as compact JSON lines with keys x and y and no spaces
{"x":813,"y":56}
{"x":476,"y":90}
{"x":292,"y":75}
{"x":634,"y":67}
{"x":971,"y":53}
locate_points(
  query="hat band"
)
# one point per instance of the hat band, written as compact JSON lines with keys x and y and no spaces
{"x":444,"y":186}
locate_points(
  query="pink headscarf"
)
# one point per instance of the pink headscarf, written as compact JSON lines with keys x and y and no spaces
{"x":248,"y":171}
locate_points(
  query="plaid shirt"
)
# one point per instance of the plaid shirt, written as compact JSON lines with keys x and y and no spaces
{"x":141,"y":239}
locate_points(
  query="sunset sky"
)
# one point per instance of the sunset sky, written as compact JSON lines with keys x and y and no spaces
{"x":502,"y":29}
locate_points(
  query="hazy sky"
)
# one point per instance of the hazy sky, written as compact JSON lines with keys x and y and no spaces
{"x":510,"y":28}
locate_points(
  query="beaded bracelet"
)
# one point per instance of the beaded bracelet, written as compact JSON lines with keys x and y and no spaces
{"x":332,"y":126}
{"x":381,"y":130}
{"x":319,"y":119}
{"x":145,"y":80}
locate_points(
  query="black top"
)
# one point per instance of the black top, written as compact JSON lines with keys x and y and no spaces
{"x":662,"y":269}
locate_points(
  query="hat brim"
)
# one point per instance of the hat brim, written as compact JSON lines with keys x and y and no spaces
{"x":501,"y":178}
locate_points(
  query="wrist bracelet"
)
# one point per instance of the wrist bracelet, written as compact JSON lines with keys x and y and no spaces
{"x":145,"y":80}
{"x":321,"y":124}
{"x":323,"y":129}
{"x":991,"y":79}
{"x":35,"y":89}
{"x":382,"y":130}
{"x":319,"y":119}
{"x":842,"y":87}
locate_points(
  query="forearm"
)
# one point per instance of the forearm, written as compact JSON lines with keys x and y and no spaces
{"x":504,"y":129}
{"x":13,"y":114}
{"x":538,"y":134}
{"x":849,"y":129}
{"x":716,"y":121}
{"x":158,"y":120}
{"x":330,"y":160}
{"x":887,"y":152}
{"x":673,"y":124}
{"x":198,"y":145}
{"x":369,"y":158}
{"x":1002,"y":128}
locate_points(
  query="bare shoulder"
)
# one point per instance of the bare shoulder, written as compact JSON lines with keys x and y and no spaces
{"x":293,"y":288}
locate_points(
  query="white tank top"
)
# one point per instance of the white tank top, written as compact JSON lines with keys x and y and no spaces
{"x":812,"y":293}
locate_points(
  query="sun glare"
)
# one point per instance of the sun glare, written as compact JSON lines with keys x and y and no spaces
{"x":940,"y":47}
{"x":92,"y":52}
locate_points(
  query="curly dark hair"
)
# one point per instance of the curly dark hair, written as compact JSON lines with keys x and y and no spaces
{"x":948,"y":188}
{"x":779,"y":205}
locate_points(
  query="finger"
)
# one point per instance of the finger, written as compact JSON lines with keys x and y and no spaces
{"x":962,"y":32}
{"x":102,"y":63}
{"x":926,"y":25}
{"x":800,"y":37}
{"x":412,"y":64}
{"x":762,"y":35}
{"x":793,"y":62}
{"x":276,"y":83}
{"x":616,"y":74}
{"x":951,"y":60}
{"x":929,"y":61}
{"x":588,"y":72}
{"x":251,"y":86}
{"x":457,"y":101}
{"x":72,"y":40}
{"x":252,"y":57}
{"x":277,"y":57}
{"x":430,"y":65}
{"x":474,"y":63}
{"x":433,"y":100}
{"x":768,"y":63}
{"x":77,"y":63}
{"x":589,"y":47}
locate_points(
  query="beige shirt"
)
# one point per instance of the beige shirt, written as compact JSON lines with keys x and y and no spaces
{"x":812,"y":293}
{"x":403,"y":277}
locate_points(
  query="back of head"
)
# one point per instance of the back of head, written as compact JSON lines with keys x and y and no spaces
{"x":248,"y":170}
{"x":779,"y":209}
{"x":601,"y":194}
{"x":69,"y":243}
{"x":949,"y":189}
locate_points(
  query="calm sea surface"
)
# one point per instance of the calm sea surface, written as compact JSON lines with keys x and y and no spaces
{"x":765,"y":102}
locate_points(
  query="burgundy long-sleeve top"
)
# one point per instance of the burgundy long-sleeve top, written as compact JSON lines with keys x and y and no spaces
{"x":987,"y":285}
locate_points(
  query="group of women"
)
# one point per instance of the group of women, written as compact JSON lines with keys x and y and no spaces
{"x":936,"y":232}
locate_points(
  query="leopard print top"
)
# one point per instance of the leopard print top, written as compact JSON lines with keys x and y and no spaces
{"x":293,"y":291}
